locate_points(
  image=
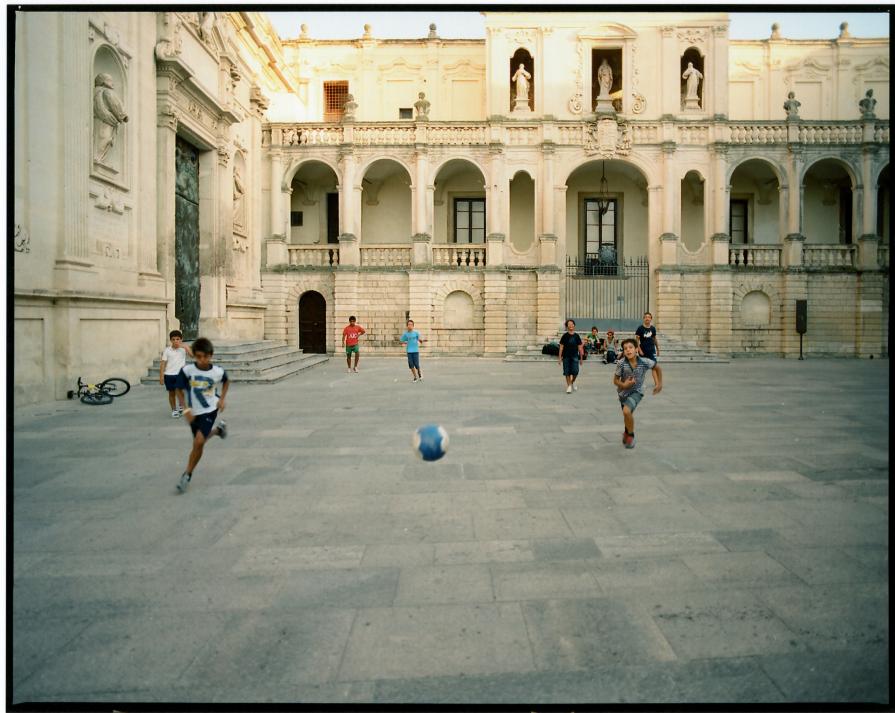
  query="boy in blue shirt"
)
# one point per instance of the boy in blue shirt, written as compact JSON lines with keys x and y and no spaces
{"x":200,"y":381}
{"x":629,"y":376}
{"x":413,"y":340}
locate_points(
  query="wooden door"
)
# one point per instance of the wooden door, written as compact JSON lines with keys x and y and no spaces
{"x":312,"y":323}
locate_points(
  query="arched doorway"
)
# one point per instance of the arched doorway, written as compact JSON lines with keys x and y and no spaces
{"x":312,"y":323}
{"x":828,"y":211}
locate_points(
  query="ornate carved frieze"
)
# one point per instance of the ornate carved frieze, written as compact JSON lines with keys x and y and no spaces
{"x":21,"y":239}
{"x":607,"y":137}
{"x":524,"y":37}
{"x":576,"y":103}
{"x":692,"y":35}
{"x":110,"y":201}
{"x":639,"y":104}
{"x":170,"y":43}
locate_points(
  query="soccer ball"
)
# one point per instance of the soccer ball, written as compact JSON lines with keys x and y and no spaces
{"x":430,"y":442}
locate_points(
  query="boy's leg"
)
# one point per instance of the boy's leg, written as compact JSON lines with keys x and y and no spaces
{"x":629,"y":419}
{"x":356,"y":358}
{"x":196,"y":452}
{"x":171,"y":399}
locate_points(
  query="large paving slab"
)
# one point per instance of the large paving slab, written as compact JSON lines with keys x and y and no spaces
{"x":738,"y":554}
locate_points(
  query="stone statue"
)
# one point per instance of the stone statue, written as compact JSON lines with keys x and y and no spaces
{"x":205,"y":26}
{"x":791,"y":105}
{"x":522,"y":77}
{"x":238,"y":203}
{"x":368,"y":31}
{"x":692,"y":75}
{"x":422,"y":107}
{"x":433,"y":32}
{"x":108,"y":113}
{"x":604,"y":77}
{"x":349,"y":107}
{"x":843,"y":30}
{"x":304,"y":32}
{"x":867,"y":105}
{"x":775,"y":31}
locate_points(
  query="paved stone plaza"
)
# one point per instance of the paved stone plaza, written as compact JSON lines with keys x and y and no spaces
{"x":738,"y":553}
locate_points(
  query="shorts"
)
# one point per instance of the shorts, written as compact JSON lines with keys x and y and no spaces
{"x":413,"y":360}
{"x":171,"y":382}
{"x":353,"y":348}
{"x":203,"y":422}
{"x":610,"y":357}
{"x":570,"y":366}
{"x":631,"y":400}
{"x":651,"y":356}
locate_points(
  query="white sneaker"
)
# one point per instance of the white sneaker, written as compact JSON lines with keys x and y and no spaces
{"x":175,"y":414}
{"x":568,"y":389}
{"x":355,"y":370}
{"x":574,"y":387}
{"x":421,"y":377}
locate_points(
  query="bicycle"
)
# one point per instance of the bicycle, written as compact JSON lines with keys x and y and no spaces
{"x":102,"y":393}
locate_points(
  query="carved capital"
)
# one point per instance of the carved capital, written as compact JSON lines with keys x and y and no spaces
{"x":224,"y":153}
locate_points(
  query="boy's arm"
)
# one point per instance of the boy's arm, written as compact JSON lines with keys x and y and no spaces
{"x":161,"y":372}
{"x":657,"y":378}
{"x":656,"y":342}
{"x":362,"y":330}
{"x":561,"y":348}
{"x":224,"y":389}
{"x":189,"y":352}
{"x":581,"y":350}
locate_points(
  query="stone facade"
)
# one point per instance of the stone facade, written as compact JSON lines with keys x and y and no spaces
{"x":769,"y":186}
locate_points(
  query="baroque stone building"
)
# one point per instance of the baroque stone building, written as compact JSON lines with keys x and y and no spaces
{"x":194,"y":170}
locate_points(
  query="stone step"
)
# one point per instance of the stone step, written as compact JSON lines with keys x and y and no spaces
{"x":229,"y":358}
{"x":672,"y":351}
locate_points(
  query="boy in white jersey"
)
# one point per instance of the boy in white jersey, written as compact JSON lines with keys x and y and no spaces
{"x":200,"y":381}
{"x":173,"y":360}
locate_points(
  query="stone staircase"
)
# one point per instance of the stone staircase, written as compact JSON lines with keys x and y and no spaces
{"x":671,"y":351}
{"x":254,"y":362}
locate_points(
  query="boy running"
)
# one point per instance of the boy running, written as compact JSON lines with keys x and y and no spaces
{"x":173,"y":360}
{"x":350,"y":337}
{"x":628,"y":379}
{"x":647,"y":339}
{"x":571,"y":349}
{"x":201,"y":381}
{"x":413,"y":340}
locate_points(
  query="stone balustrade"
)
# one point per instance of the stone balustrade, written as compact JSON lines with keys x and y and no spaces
{"x":755,"y":256}
{"x":386,"y":255}
{"x":313,"y":255}
{"x":828,"y":256}
{"x":567,"y":133}
{"x":465,"y":257}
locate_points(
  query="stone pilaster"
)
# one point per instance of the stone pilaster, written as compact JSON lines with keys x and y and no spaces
{"x":495,"y":243}
{"x":345,"y":304}
{"x":547,"y":254}
{"x":720,"y":310}
{"x":868,"y":252}
{"x":793,"y":245}
{"x":668,"y":300}
{"x":166,"y":176}
{"x":419,"y":304}
{"x":795,"y":287}
{"x":277,"y":252}
{"x":870,"y":337}
{"x":277,"y":224}
{"x":422,"y":250}
{"x":549,"y":317}
{"x":349,"y":250}
{"x":720,"y":249}
{"x":495,"y":294}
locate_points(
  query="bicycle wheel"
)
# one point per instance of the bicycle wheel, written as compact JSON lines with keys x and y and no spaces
{"x":96,"y":398}
{"x":115,"y":387}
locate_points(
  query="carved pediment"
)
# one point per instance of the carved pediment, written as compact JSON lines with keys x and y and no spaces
{"x":400,"y":66}
{"x":465,"y":68}
{"x":878,"y":66}
{"x":809,"y":67}
{"x":608,"y":30}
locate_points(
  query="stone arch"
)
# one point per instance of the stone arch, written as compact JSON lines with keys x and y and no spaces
{"x":367,"y":164}
{"x":852,"y":172}
{"x":778,"y":170}
{"x":756,"y":284}
{"x":433,"y":173}
{"x":879,"y":173}
{"x":297,"y":163}
{"x":832,"y":199}
{"x":294,"y":294}
{"x":643,"y":164}
{"x":386,"y":205}
{"x":755,"y":309}
{"x":449,"y":286}
{"x":460,"y":182}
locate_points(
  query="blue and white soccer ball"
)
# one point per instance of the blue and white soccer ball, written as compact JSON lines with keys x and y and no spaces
{"x":430,"y":442}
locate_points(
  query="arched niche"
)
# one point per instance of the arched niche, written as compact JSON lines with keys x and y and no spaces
{"x":387,"y":203}
{"x":828,"y":209}
{"x":314,"y":205}
{"x":522,"y":56}
{"x":692,"y":210}
{"x":755,"y":310}
{"x":692,"y":56}
{"x":522,"y":211}
{"x":459,"y":311}
{"x":110,"y":114}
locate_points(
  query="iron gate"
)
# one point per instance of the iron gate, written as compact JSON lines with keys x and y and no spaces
{"x":600,"y":289}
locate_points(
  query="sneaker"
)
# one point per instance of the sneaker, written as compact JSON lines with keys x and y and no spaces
{"x":355,"y":370}
{"x":222,"y":429}
{"x":184,"y":482}
{"x":175,"y":414}
{"x":414,"y":380}
{"x":568,"y":389}
{"x":628,"y":440}
{"x":349,"y":370}
{"x":625,"y":437}
{"x":421,"y":377}
{"x":574,"y":387}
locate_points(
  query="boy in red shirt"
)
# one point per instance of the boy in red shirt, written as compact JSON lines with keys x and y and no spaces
{"x":350,"y":336}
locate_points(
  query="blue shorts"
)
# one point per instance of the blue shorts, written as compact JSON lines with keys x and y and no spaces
{"x":204,"y":423}
{"x":170,"y":382}
{"x":570,"y":366}
{"x":631,"y":401}
{"x":413,"y":360}
{"x":651,"y":356}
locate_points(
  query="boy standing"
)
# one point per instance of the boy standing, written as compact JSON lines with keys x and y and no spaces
{"x":413,"y":340}
{"x":173,"y":360}
{"x":350,"y":337}
{"x":571,"y":350}
{"x":628,"y":379}
{"x":647,"y":339}
{"x":201,"y":381}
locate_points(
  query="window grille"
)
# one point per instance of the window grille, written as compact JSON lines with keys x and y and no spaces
{"x":335,"y":94}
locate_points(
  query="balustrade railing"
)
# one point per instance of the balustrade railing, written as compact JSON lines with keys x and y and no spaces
{"x":457,"y":135}
{"x":755,"y":256}
{"x":688,"y":134}
{"x":384,"y":135}
{"x":521,"y":135}
{"x":386,"y":255}
{"x":468,"y":257}
{"x":328,"y":135}
{"x":831,"y":133}
{"x":828,"y":256}
{"x":757,"y":133}
{"x":313,"y":255}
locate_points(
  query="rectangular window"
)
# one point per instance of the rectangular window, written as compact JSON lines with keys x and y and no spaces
{"x":600,"y":233}
{"x":296,"y":218}
{"x":739,"y":222}
{"x":405,"y":113}
{"x":335,"y":94}
{"x":469,"y":220}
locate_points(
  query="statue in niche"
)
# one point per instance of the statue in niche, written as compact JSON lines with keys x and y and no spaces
{"x":791,"y":105}
{"x":522,"y":78}
{"x":206,"y":23}
{"x":349,"y":107}
{"x":238,"y":203}
{"x":108,"y":113}
{"x":867,"y":105}
{"x":604,"y":78}
{"x":422,"y":107}
{"x":692,"y":75}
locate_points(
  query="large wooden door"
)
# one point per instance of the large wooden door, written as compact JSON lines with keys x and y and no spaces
{"x":186,"y":239}
{"x":312,"y":323}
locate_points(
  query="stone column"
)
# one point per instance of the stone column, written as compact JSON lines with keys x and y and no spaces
{"x":868,"y":242}
{"x":549,"y":315}
{"x":77,"y":140}
{"x":347,"y":195}
{"x":276,"y":195}
{"x":419,"y":218}
{"x":495,"y":295}
{"x":166,"y":177}
{"x":794,"y":240}
{"x":545,"y":188}
{"x":345,"y":304}
{"x":497,"y":186}
{"x":560,"y":249}
{"x":349,"y":251}
{"x":720,"y":241}
{"x":720,"y":310}
{"x":666,"y":252}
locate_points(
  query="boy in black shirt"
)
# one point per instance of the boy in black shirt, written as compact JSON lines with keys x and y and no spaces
{"x":647,"y":339}
{"x":571,"y":349}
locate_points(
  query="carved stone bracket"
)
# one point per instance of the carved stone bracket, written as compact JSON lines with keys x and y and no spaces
{"x":692,"y":35}
{"x":21,"y":239}
{"x":224,"y":152}
{"x":171,"y":43}
{"x":110,"y":201}
{"x":576,"y":103}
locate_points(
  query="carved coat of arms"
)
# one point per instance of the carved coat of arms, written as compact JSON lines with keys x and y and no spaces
{"x":607,"y":138}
